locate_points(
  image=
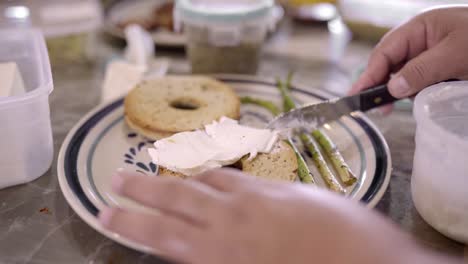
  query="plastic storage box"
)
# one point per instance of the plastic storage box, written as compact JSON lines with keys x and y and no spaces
{"x":26,"y":146}
{"x":371,"y":19}
{"x":440,"y":171}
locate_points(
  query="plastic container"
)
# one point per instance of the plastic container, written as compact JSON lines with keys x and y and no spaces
{"x":55,"y":18}
{"x":371,"y":20}
{"x":440,"y":172}
{"x":68,"y":25}
{"x":25,"y":135}
{"x":224,"y":36}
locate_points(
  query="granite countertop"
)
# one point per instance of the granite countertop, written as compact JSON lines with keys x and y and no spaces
{"x":38,"y":226}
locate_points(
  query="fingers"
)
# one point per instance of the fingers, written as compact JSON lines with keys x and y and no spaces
{"x":395,"y":48}
{"x":226,"y":180}
{"x":188,"y":199}
{"x":170,"y":237}
{"x":437,"y":64}
{"x":206,"y":199}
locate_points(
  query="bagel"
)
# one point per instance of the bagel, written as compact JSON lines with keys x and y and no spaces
{"x":164,"y":106}
{"x":168,"y":173}
{"x":279,"y":164}
{"x":154,"y":135}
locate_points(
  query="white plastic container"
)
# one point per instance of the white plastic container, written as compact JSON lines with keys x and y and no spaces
{"x":224,"y":36}
{"x":26,"y":146}
{"x":440,"y":172}
{"x":371,"y":19}
{"x":55,"y":18}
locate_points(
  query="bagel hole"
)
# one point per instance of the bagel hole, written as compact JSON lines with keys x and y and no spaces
{"x":185,"y":104}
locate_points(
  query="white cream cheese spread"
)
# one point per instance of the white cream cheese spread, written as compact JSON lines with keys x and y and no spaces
{"x":12,"y":82}
{"x":221,"y":143}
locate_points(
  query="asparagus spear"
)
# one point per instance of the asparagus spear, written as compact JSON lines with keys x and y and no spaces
{"x":288,"y":102}
{"x":270,"y":106}
{"x":289,"y":80}
{"x":326,"y":173}
{"x":321,"y":164}
{"x":302,"y":169}
{"x":345,"y":173}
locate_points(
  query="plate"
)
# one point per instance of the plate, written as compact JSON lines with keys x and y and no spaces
{"x":101,"y":142}
{"x":129,"y":9}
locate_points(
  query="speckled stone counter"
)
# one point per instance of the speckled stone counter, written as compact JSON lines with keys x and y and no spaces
{"x":37,"y":225}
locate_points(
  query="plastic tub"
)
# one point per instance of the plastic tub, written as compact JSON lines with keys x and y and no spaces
{"x":371,"y":20}
{"x":25,"y":135}
{"x":440,"y":172}
{"x":224,"y":36}
{"x":68,"y":25}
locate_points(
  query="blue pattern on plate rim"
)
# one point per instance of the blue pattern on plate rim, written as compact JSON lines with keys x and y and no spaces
{"x":131,"y":156}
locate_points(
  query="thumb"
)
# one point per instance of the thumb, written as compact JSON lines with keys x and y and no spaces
{"x":432,"y":66}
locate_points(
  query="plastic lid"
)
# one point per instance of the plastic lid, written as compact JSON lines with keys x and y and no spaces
{"x":27,"y":48}
{"x":223,"y":11}
{"x":443,"y":109}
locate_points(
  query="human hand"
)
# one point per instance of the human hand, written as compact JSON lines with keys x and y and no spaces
{"x":225,"y":217}
{"x":428,"y":49}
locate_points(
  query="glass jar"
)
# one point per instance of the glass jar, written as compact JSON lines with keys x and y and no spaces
{"x":440,"y":171}
{"x":224,"y":36}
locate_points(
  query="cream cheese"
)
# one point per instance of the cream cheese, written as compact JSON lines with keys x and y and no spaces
{"x":12,"y":82}
{"x":221,"y":143}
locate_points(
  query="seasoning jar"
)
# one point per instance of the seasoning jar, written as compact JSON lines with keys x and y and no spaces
{"x":224,"y":36}
{"x":440,"y":171}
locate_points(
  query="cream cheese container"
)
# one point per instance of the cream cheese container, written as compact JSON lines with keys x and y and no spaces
{"x":26,"y":146}
{"x":440,"y":171}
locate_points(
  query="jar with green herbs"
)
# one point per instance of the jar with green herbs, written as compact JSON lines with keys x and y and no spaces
{"x":225,"y":36}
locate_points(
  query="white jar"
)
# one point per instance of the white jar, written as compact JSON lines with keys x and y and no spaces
{"x":224,"y":36}
{"x":440,"y":171}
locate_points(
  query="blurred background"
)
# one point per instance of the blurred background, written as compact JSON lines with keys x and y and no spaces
{"x":316,"y":33}
{"x":366,"y":18}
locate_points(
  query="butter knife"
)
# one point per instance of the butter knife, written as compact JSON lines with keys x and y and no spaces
{"x":315,"y":115}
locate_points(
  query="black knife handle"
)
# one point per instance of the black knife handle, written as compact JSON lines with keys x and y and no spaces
{"x":379,"y":96}
{"x":375,"y":97}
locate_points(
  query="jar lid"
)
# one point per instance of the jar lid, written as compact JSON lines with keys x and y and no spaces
{"x":223,"y":11}
{"x":443,"y":109}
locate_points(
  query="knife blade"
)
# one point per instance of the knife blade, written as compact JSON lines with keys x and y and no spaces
{"x":315,"y":115}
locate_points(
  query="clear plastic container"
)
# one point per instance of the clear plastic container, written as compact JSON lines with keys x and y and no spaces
{"x":224,"y":36}
{"x":68,"y":25}
{"x":54,"y":17}
{"x":440,"y":170}
{"x":26,"y":143}
{"x":371,"y":20}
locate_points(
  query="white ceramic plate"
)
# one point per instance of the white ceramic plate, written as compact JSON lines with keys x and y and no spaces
{"x":101,"y":142}
{"x":128,"y":9}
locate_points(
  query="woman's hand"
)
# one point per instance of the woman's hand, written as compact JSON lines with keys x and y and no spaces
{"x":226,"y":217}
{"x":430,"y":48}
